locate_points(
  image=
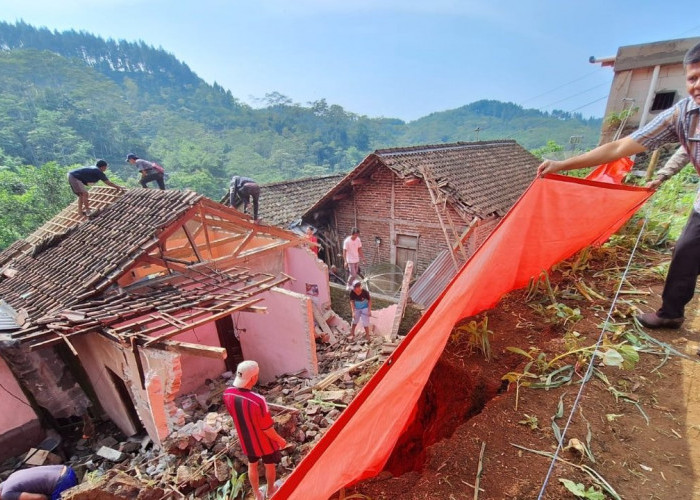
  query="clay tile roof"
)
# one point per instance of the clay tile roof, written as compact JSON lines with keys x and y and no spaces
{"x":479,"y":178}
{"x":282,"y":203}
{"x":63,"y":266}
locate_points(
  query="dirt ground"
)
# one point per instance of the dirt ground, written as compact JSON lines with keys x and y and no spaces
{"x":641,"y":425}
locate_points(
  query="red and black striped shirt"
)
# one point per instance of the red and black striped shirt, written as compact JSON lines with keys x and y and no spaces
{"x":252,"y":418}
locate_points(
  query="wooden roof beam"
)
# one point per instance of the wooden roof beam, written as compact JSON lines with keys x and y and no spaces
{"x":191,"y":349}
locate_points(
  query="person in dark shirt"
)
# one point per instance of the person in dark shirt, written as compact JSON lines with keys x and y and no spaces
{"x":361,"y":306}
{"x":255,"y":427}
{"x":81,"y":177}
{"x":241,"y":190}
{"x":46,"y":482}
{"x":150,"y":171}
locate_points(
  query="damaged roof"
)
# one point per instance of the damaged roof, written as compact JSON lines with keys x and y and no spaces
{"x":78,"y":274}
{"x":283,"y":203}
{"x":479,"y":178}
{"x":62,"y":266}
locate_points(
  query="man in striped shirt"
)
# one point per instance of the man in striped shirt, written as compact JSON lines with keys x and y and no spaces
{"x":254,"y":426}
{"x":679,"y":123}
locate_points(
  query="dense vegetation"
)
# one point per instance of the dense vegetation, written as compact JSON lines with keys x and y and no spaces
{"x":71,"y":97}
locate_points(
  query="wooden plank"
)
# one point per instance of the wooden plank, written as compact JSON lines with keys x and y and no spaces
{"x":205,"y":351}
{"x":204,"y":321}
{"x":403,"y":299}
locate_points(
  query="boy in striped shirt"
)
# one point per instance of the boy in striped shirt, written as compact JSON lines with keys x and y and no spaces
{"x":254,"y":426}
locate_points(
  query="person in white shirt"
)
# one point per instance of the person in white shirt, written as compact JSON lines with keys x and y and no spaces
{"x":352,"y":255}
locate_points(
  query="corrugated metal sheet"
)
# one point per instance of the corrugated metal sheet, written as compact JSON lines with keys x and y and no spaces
{"x":7,"y":318}
{"x":434,"y":280}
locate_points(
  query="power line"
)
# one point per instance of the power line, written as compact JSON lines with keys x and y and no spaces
{"x":574,"y":95}
{"x":589,"y":103}
{"x":559,"y":87}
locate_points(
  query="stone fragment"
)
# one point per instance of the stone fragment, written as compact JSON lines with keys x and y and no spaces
{"x":111,"y":454}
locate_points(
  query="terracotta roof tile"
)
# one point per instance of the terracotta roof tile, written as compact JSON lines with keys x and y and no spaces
{"x":282,"y":203}
{"x":480,"y":178}
{"x":61,"y":268}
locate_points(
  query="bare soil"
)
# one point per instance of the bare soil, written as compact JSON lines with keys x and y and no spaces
{"x":644,"y":423}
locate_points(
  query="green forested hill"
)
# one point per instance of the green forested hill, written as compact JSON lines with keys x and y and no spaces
{"x":71,"y":97}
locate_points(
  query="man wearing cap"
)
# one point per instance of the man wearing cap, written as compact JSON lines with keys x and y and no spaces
{"x":81,"y":177}
{"x":150,"y":171}
{"x":46,"y":482}
{"x":254,"y":426}
{"x":353,"y":255}
{"x":361,"y":307}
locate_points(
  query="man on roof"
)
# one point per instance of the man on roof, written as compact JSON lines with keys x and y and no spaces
{"x":150,"y":171}
{"x":241,"y":190}
{"x":679,"y":123}
{"x":81,"y":177}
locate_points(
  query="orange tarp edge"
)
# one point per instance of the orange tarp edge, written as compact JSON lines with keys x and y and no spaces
{"x":555,"y":218}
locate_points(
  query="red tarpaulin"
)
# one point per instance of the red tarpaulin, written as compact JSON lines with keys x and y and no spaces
{"x":555,"y":218}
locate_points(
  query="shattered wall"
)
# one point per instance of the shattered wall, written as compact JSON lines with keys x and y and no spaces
{"x":282,"y":340}
{"x":19,"y":425}
{"x":196,"y":369}
{"x":310,"y":275}
{"x":109,"y":364}
{"x":47,"y":376}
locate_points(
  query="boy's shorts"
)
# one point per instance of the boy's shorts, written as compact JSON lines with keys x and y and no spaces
{"x":272,"y":458}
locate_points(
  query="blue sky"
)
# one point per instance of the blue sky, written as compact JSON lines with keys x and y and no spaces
{"x":393,"y":58}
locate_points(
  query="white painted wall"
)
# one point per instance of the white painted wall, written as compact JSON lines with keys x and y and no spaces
{"x":282,"y":340}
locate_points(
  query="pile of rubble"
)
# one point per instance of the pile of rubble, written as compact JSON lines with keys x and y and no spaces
{"x":203,"y":454}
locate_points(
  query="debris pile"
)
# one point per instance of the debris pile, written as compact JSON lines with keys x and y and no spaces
{"x":203,"y":454}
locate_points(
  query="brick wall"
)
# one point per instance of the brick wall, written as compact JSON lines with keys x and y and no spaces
{"x":411,"y":213}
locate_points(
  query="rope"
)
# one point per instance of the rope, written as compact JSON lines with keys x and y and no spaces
{"x":589,"y":370}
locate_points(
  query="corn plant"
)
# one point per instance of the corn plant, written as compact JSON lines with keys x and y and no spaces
{"x":477,"y":334}
{"x":231,"y":489}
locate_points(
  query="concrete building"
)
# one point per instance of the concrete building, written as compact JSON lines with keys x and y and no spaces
{"x":648,"y":79}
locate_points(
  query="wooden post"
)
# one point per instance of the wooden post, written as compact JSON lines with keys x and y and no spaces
{"x":652,"y":164}
{"x":403,"y":299}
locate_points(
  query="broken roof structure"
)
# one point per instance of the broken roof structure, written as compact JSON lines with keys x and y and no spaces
{"x":135,"y":297}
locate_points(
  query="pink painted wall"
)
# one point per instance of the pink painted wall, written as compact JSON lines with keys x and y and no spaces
{"x":281,"y":340}
{"x":196,"y":369}
{"x":16,"y":411}
{"x":302,"y":264}
{"x":153,"y":404}
{"x":96,"y":354}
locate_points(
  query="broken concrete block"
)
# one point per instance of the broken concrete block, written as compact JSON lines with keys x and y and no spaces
{"x":111,"y":454}
{"x":108,"y":441}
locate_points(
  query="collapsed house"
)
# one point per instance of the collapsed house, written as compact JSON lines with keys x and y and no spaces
{"x":119,"y":314}
{"x":432,"y":205}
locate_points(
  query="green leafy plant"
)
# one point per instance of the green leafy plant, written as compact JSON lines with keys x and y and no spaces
{"x":231,"y":489}
{"x":530,"y":420}
{"x":613,"y":120}
{"x":581,"y":491}
{"x":477,"y":334}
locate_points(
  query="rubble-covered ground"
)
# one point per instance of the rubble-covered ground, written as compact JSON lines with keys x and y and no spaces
{"x":202,"y":458}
